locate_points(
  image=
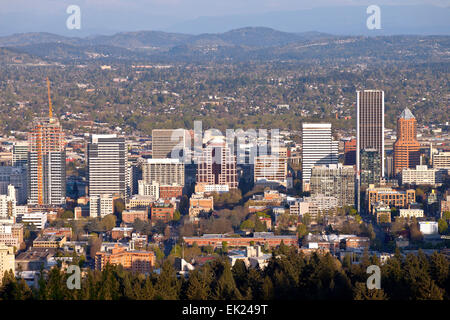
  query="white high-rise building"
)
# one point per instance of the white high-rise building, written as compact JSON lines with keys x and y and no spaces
{"x":101,"y":205}
{"x":8,"y":204}
{"x":7,"y":260}
{"x":46,"y":163}
{"x":107,"y":165}
{"x":318,"y":148}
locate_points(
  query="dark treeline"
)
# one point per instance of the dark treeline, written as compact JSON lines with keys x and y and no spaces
{"x":289,"y":275}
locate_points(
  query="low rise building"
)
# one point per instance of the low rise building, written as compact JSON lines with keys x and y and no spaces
{"x":389,"y":196}
{"x":162,"y":211}
{"x":421,"y":175}
{"x":118,"y":233}
{"x":199,"y":203}
{"x":410,"y":213}
{"x":49,"y":241}
{"x":428,"y":227}
{"x":130,"y":216}
{"x":131,"y":260}
{"x":258,"y":238}
{"x":11,"y":234}
{"x":38,"y":219}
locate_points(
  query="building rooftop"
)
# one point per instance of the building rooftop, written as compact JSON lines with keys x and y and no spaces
{"x":407,"y":114}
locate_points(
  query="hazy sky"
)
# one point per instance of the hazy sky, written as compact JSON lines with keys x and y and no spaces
{"x":189,"y":8}
{"x":111,"y":16}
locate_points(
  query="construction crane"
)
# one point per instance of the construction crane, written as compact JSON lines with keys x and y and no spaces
{"x":39,"y":147}
{"x":50,"y":107}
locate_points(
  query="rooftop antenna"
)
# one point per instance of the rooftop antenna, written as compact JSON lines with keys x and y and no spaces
{"x":50,"y":108}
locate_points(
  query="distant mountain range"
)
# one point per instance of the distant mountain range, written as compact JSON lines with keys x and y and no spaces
{"x":258,"y":37}
{"x":250,"y":43}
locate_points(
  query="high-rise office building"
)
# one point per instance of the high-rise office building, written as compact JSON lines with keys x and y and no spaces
{"x":271,"y":169}
{"x":406,"y":148}
{"x":370,"y":170}
{"x":370,"y":124}
{"x":16,"y":176}
{"x":441,"y":160}
{"x":107,"y":165}
{"x":334,"y":181}
{"x":350,"y":152}
{"x":318,"y":148}
{"x":46,"y":161}
{"x":169,"y":142}
{"x":216,"y":165}
{"x":389,"y":164}
{"x":163,"y":171}
{"x":20,"y":154}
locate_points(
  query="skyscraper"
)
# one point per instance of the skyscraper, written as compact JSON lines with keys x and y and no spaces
{"x":164,"y":141}
{"x":46,"y":161}
{"x":318,"y":148}
{"x":107,"y":165}
{"x":216,"y":165}
{"x":20,"y":154}
{"x":350,"y":152}
{"x":163,"y":171}
{"x":334,"y":181}
{"x":370,"y":170}
{"x":406,"y":148}
{"x":370,"y":124}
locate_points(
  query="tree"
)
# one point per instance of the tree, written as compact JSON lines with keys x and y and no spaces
{"x":167,"y":286}
{"x":361,"y":292}
{"x":176,"y":215}
{"x":198,"y":287}
{"x":94,"y":245}
{"x":109,"y":222}
{"x":302,"y":230}
{"x":67,"y":214}
{"x":442,"y":226}
{"x":119,"y":206}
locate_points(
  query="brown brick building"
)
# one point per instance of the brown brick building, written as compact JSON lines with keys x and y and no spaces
{"x":162,"y":211}
{"x":259,"y":238}
{"x":135,"y":261}
{"x":129,"y":216}
{"x":389,"y":196}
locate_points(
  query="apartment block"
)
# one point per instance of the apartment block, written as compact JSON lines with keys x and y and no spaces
{"x":334,"y":181}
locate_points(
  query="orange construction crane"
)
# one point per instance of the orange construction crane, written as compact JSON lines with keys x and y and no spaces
{"x":50,"y":108}
{"x":40,"y":168}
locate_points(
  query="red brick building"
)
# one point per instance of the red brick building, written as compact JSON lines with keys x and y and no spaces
{"x":162,"y":211}
{"x":129,"y":216}
{"x":168,"y":192}
{"x":259,"y":238}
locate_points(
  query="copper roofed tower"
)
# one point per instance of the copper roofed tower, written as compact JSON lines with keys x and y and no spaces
{"x":406,"y":148}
